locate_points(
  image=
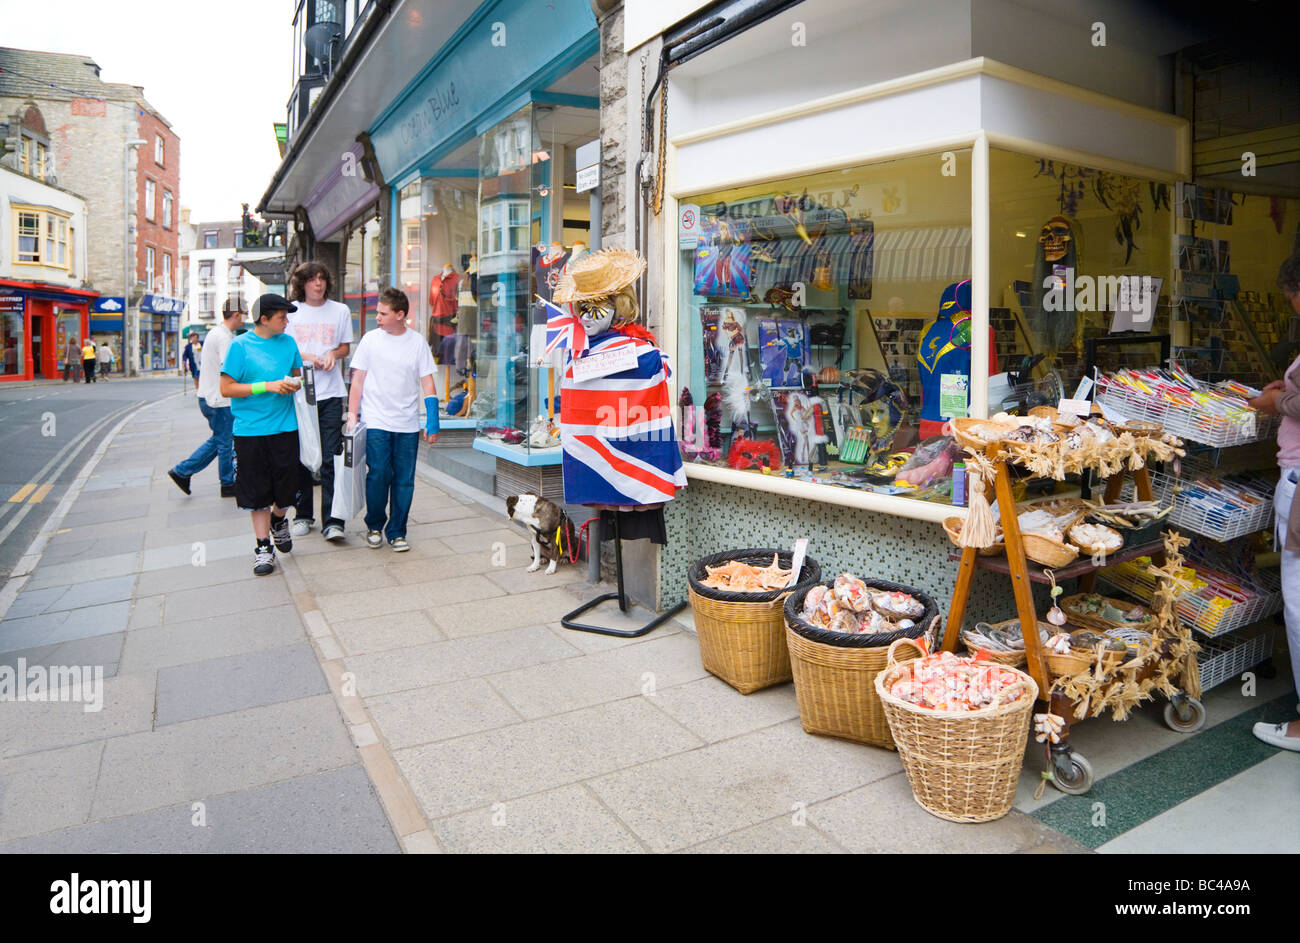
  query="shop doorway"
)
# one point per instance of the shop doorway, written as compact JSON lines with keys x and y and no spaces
{"x":38,"y":337}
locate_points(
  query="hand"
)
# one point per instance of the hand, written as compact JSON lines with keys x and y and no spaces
{"x":1276,"y":385}
{"x":349,"y":422}
{"x":280,"y":386}
{"x":1266,"y":402}
{"x":326,"y":362}
{"x":431,"y":437}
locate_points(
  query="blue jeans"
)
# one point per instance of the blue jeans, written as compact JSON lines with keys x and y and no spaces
{"x":220,"y":445}
{"x":390,"y":476}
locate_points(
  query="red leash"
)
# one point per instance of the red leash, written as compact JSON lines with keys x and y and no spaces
{"x":576,"y":543}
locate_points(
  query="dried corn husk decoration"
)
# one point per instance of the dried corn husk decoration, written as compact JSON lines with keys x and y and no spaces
{"x":979,"y":530}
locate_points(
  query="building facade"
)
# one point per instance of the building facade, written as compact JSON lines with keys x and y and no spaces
{"x":226,"y":263}
{"x":132,"y":194}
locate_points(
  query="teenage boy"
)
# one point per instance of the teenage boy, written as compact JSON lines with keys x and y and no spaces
{"x":391,"y":370}
{"x":323,"y":330}
{"x":215,"y":407}
{"x":255,"y":376}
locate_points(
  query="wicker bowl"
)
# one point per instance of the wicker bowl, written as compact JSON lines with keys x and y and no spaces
{"x":1048,"y":552}
{"x":1094,"y":549}
{"x":961,"y":431}
{"x":952,"y":527}
{"x":1066,"y":666}
{"x":1088,"y":620}
{"x":1075,"y":508}
{"x":1016,"y":659}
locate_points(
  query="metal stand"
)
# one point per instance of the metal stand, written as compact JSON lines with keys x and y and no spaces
{"x":568,"y":620}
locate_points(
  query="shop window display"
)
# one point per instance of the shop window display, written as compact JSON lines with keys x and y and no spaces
{"x":824,"y":327}
{"x":11,"y":343}
{"x":361,"y":274}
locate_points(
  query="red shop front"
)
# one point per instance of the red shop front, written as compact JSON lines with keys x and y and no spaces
{"x":36,"y":322}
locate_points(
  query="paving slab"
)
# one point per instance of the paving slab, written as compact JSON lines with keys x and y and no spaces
{"x":61,"y":574}
{"x":175,"y":764}
{"x":471,"y":524}
{"x":591,"y":642}
{"x":787,"y":835}
{"x":437,"y":595}
{"x":188,"y":575}
{"x":440,"y":712}
{"x":461,"y":619}
{"x":484,"y":541}
{"x":117,"y":511}
{"x":239,"y":546}
{"x":146,"y":612}
{"x":884,"y":818}
{"x":30,"y":803}
{"x":180,"y":641}
{"x":144,"y":524}
{"x":335,"y":812}
{"x":454,"y":660}
{"x":632,"y":671}
{"x":384,"y":633}
{"x":432,"y":514}
{"x":245,"y":596}
{"x":69,"y":546}
{"x":102,"y":650}
{"x":714,"y":711}
{"x":206,"y":513}
{"x":568,"y":820}
{"x":126,"y":705}
{"x":54,"y":627}
{"x":517,"y":579}
{"x":363,"y":573}
{"x":160,"y":535}
{"x":113,"y":474}
{"x":682,"y":800}
{"x":238,"y":682}
{"x":499,"y":765}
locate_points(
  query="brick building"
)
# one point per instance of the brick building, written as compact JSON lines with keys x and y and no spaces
{"x":131,"y":192}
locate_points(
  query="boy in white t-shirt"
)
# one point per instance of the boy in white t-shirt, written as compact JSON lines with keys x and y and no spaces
{"x":323,"y":330}
{"x":391,"y":370}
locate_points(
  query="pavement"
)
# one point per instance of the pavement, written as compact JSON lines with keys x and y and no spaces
{"x":359,"y":700}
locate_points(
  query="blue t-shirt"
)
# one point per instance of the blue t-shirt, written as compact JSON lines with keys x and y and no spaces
{"x":253,"y":359}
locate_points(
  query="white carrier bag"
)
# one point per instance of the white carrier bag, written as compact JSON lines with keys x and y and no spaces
{"x":350,"y":475}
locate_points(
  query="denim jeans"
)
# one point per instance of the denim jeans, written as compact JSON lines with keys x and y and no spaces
{"x":1283,"y":495}
{"x":219,"y":445}
{"x":329,"y":414}
{"x":390,"y":474}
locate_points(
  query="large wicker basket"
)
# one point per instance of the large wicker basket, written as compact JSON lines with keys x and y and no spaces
{"x":834,"y":673}
{"x":742,"y":635}
{"x":963,"y":766}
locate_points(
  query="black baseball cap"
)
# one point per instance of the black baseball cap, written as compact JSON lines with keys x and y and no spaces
{"x":269,"y":304}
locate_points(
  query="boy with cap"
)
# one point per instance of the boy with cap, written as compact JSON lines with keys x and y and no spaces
{"x":390,"y":370}
{"x":258,"y":376}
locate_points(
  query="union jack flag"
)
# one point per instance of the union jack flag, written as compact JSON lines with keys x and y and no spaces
{"x":620,"y":447}
{"x":563,"y":330}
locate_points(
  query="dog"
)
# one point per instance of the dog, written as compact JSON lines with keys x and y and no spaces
{"x":545,"y":521}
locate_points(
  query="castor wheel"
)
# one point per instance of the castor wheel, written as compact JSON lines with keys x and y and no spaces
{"x":1184,"y":714}
{"x":1071,"y":773}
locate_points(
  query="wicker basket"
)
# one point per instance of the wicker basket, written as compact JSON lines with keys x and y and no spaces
{"x":834,"y":672}
{"x":1068,"y":665}
{"x":1014,"y":659}
{"x":961,"y":432}
{"x":1076,"y":508}
{"x":952,"y":527}
{"x":1087,"y":620}
{"x":1094,"y":549}
{"x":742,"y":635}
{"x":963,"y":766}
{"x":1048,"y":552}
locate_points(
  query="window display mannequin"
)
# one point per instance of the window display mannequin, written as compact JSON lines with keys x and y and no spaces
{"x":1052,"y":326}
{"x":444,"y":298}
{"x":944,"y":358}
{"x":620,"y":447}
{"x":548,"y":269}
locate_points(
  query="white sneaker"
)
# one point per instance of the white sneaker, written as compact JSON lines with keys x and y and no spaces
{"x":374,"y":539}
{"x":332,"y":532}
{"x":301,"y":527}
{"x":1275,"y":735}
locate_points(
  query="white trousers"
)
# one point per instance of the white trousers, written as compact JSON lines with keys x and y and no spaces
{"x":1282,"y":498}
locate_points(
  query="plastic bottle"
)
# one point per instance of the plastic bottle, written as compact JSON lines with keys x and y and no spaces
{"x":959,"y":484}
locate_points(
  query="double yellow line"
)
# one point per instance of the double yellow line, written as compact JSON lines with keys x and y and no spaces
{"x":37,"y":493}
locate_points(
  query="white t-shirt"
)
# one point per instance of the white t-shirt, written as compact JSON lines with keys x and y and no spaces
{"x":391,"y":394}
{"x":318,"y":330}
{"x":215,"y":346}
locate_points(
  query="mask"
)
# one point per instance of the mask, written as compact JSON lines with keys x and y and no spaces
{"x":1055,"y":238}
{"x":596,"y":315}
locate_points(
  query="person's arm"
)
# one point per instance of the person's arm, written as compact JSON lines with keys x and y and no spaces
{"x":231,"y":389}
{"x":354,"y":396}
{"x":327,"y":360}
{"x":431,"y":408}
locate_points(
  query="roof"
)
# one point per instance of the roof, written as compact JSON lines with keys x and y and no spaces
{"x":261,"y":268}
{"x":45,"y":76}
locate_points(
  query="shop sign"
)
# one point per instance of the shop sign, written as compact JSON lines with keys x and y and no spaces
{"x":11,"y":304}
{"x":587,"y":162}
{"x":108,"y":304}
{"x":502,"y":56}
{"x":688,"y":225}
{"x":161,"y":304}
{"x":338,"y":197}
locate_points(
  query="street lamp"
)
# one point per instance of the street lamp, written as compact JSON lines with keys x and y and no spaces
{"x":130,"y":325}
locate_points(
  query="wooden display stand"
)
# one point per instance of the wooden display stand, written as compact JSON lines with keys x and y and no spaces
{"x":1072,"y":772}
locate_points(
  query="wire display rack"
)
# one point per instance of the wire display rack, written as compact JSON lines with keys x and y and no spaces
{"x":1197,"y":509}
{"x":1185,"y":420}
{"x":1222,"y":659}
{"x":1205,"y":609}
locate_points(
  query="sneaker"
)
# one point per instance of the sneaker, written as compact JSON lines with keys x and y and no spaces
{"x":1275,"y":735}
{"x":399,"y":545}
{"x":227,"y":491}
{"x":182,"y":481}
{"x":374,"y":539}
{"x":263,"y":561}
{"x":280,"y":534}
{"x":302,"y":526}
{"x":332,"y":532}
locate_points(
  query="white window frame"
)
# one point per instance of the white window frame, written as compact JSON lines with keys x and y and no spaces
{"x":149,"y":268}
{"x":167,"y":273}
{"x":35,"y":255}
{"x":216,"y":239}
{"x":167,"y":209}
{"x":150,"y":196}
{"x":206,"y":267}
{"x":159,"y":150}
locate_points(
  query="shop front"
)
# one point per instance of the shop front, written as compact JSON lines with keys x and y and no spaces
{"x":36,"y":323}
{"x":107,"y":327}
{"x":484,"y":208}
{"x":160,"y":318}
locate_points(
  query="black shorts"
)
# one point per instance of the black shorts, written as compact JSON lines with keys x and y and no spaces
{"x":266,"y":470}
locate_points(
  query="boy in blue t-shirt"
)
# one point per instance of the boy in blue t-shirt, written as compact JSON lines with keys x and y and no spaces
{"x":258,"y":375}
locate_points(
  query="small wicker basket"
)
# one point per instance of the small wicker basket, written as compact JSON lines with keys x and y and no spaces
{"x":952,"y":527}
{"x":1016,"y":659}
{"x":1094,"y":549}
{"x":1048,"y":552}
{"x":961,"y":431}
{"x":1089,"y":620}
{"x":963,"y":766}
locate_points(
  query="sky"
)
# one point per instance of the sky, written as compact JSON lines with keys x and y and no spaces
{"x":219,"y":73}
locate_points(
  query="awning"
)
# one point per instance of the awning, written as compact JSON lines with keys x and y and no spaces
{"x":936,"y":254}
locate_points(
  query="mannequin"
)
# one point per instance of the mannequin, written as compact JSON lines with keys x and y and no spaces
{"x":943,"y":357}
{"x":548,"y":269}
{"x":444,"y":299}
{"x":620,"y":447}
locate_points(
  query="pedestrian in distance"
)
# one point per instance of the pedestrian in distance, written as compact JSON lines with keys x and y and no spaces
{"x":88,"y":360}
{"x":391,"y":370}
{"x":215,"y":407}
{"x":72,"y":360}
{"x":323,"y":330}
{"x":103,"y":360}
{"x":260,"y":375}
{"x":190,"y":361}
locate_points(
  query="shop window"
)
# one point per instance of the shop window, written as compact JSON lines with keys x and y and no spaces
{"x":11,"y":344}
{"x":824,"y":324}
{"x":150,"y":193}
{"x":28,"y":227}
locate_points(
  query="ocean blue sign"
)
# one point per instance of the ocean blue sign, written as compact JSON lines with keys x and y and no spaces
{"x":161,"y":304}
{"x":509,"y":49}
{"x":108,"y":304}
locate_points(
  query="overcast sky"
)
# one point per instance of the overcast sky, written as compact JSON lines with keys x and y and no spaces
{"x":218,"y":72}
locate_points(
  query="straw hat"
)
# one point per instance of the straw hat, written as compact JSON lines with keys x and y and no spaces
{"x":599,"y":274}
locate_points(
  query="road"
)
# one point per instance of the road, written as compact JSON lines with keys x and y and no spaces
{"x":47,"y":434}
